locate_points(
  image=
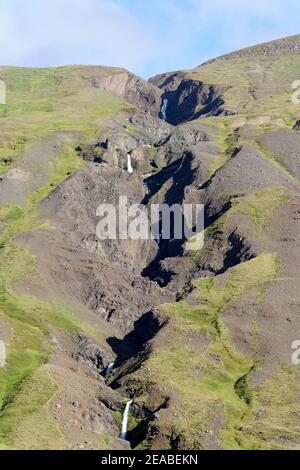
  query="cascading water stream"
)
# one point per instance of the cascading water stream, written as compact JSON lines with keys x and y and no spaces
{"x":125,"y":421}
{"x":129,"y":164}
{"x":109,"y":369}
{"x":146,"y":188}
{"x":164,"y":109}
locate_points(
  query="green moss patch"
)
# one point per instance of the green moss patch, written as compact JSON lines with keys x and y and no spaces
{"x":26,"y":423}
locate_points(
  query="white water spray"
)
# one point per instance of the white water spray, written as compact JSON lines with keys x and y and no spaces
{"x":146,"y":187}
{"x":125,"y":421}
{"x":164,"y":109}
{"x":129,"y":164}
{"x":109,"y":369}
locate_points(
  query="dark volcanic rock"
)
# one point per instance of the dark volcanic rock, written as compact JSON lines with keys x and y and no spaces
{"x":188,"y":99}
{"x":90,"y":353}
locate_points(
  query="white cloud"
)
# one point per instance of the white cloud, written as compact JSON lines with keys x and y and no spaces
{"x":144,"y":37}
{"x":57,"y":32}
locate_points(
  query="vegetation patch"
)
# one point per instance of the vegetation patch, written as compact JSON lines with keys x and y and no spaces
{"x":26,"y":422}
{"x":260,"y":206}
{"x":18,"y":220}
{"x":270,"y":424}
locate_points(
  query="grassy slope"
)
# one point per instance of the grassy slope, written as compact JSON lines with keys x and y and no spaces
{"x":27,"y":424}
{"x":255,"y":86}
{"x":41,"y":102}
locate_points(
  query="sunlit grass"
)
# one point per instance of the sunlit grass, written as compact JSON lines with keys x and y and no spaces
{"x":41,"y":102}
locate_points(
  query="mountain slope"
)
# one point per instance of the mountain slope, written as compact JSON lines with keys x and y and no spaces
{"x":255,"y":83}
{"x":228,"y":344}
{"x":202,"y":340}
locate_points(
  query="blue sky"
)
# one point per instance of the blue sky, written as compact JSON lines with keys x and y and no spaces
{"x":145,"y":36}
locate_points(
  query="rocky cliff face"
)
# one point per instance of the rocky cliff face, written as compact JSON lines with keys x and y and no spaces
{"x":201,"y":341}
{"x":187,"y":98}
{"x":132,"y":88}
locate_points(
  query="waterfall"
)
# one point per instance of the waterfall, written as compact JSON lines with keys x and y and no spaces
{"x":129,"y":165}
{"x":109,"y":369}
{"x":164,"y":109}
{"x":125,"y":421}
{"x":146,"y":187}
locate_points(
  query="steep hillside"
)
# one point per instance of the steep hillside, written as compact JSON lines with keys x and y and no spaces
{"x":201,"y":340}
{"x":278,"y":48}
{"x":254,"y":83}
